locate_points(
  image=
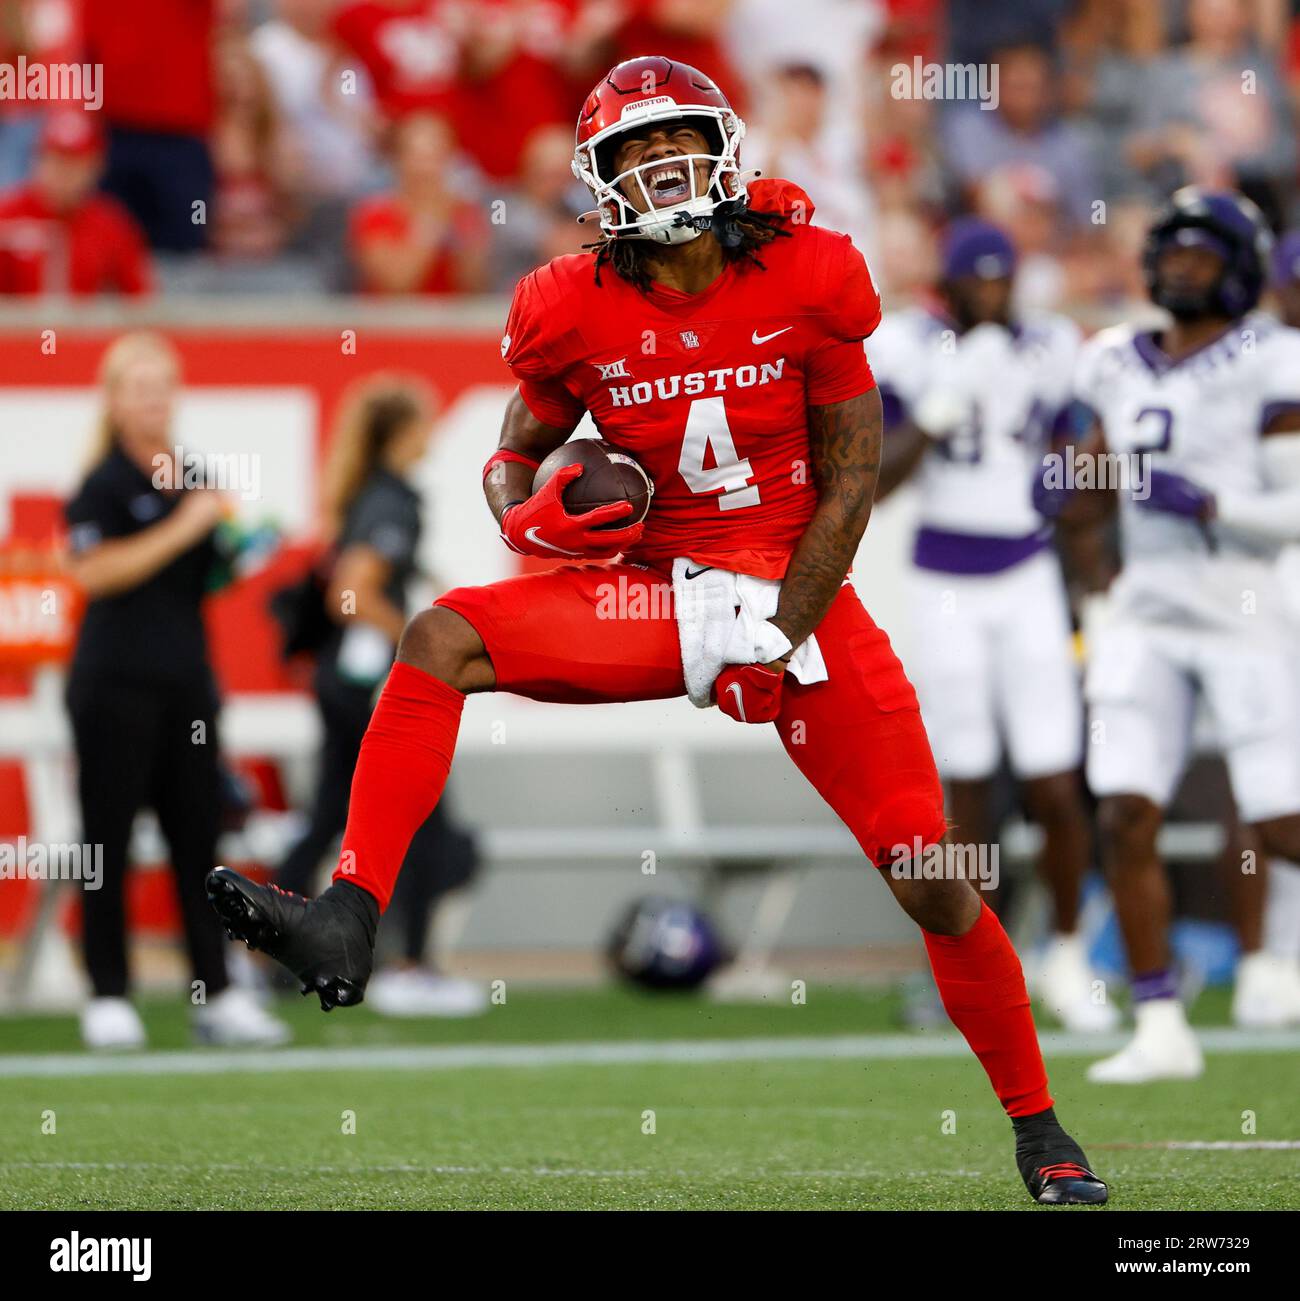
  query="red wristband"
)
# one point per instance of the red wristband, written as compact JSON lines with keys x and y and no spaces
{"x":504,"y":454}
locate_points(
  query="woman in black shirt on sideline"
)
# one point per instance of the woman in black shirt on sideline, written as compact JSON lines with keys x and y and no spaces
{"x":372,"y":520}
{"x":141,"y":694}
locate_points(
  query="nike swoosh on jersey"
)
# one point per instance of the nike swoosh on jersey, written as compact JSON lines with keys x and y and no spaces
{"x":532,"y":535}
{"x":687,"y":573}
{"x":764,"y":338}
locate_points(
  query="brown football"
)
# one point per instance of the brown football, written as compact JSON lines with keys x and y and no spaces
{"x":609,"y":474}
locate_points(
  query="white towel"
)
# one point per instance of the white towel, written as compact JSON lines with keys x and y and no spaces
{"x":722,"y":618}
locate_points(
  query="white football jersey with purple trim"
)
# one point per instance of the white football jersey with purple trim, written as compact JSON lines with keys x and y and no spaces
{"x":1200,"y":417}
{"x":1010,"y":386}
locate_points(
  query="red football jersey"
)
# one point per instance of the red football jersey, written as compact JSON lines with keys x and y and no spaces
{"x":708,"y":391}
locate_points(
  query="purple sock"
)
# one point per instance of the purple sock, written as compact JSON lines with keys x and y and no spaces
{"x":1154,"y":984}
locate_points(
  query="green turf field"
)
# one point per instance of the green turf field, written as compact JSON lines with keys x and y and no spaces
{"x":786,"y":1125}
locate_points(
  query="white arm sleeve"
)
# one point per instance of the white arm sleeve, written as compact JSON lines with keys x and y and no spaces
{"x":1274,"y":513}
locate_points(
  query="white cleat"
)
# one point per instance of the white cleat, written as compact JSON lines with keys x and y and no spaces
{"x":1071,"y":991}
{"x":111,"y":1025}
{"x":235,"y":1019}
{"x":418,"y":992}
{"x":1267,"y":993}
{"x":1163,"y":1048}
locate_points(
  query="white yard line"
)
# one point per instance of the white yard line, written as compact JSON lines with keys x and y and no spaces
{"x":441,"y":1057}
{"x":1207,"y":1145}
{"x":760,"y":1173}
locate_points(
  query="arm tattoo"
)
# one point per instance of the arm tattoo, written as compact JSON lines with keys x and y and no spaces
{"x":845,"y":439}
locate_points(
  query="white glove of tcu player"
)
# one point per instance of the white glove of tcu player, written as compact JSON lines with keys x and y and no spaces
{"x":940,"y":413}
{"x":948,"y":405}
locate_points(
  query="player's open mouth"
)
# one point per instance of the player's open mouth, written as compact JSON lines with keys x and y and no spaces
{"x":668,"y":184}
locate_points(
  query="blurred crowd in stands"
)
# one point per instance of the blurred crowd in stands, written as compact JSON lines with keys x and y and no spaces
{"x":400,"y":147}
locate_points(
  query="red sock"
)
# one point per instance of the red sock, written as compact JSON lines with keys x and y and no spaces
{"x":402,"y":768}
{"x":983,"y":991}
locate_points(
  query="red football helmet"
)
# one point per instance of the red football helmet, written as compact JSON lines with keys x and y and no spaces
{"x":653,"y":89}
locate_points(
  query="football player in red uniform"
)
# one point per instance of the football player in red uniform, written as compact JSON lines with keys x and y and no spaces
{"x":717,"y":336}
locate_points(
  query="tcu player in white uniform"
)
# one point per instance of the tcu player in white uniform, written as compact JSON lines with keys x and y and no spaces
{"x":971,"y":397}
{"x":1208,"y":411}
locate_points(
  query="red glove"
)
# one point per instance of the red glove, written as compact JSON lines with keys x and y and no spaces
{"x":749,"y":693}
{"x":542,"y":527}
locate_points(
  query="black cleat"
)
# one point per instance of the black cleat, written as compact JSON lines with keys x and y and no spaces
{"x":328,"y":942}
{"x":1053,"y":1165}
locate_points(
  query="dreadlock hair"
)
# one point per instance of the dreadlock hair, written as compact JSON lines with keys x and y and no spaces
{"x":739,"y":230}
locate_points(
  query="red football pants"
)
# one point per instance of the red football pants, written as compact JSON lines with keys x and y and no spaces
{"x":601,"y":633}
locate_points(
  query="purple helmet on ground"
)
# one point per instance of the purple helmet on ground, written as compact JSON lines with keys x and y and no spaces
{"x":665,"y":944}
{"x":1229,"y":224}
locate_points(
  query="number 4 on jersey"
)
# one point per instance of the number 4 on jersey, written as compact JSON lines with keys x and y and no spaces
{"x":707,"y":428}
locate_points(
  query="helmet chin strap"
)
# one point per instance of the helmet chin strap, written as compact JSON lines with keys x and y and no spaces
{"x":680,"y":223}
{"x":678,"y":227}
{"x":686,"y":226}
{"x":721,"y":220}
